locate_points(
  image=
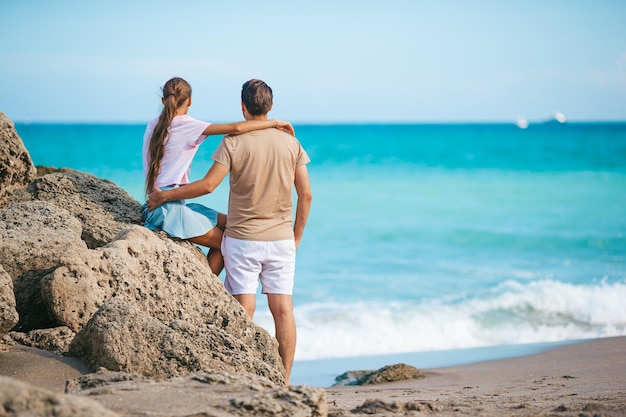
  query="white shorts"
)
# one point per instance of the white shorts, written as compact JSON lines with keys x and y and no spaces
{"x":248,"y":261}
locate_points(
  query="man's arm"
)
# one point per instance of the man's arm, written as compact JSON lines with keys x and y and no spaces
{"x":206,"y":185}
{"x":303,"y":189}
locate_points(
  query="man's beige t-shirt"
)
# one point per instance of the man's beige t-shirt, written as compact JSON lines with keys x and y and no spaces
{"x":262,"y":168}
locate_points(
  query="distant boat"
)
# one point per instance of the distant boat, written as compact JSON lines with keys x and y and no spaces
{"x":557,"y":116}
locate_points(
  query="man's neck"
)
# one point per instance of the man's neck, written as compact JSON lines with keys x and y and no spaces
{"x":261,"y":117}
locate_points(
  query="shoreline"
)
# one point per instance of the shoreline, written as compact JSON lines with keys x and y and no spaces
{"x":322,"y":372}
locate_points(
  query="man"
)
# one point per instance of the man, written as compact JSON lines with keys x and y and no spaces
{"x":260,"y":241}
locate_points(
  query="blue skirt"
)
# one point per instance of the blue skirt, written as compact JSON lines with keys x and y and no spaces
{"x":179,"y":219}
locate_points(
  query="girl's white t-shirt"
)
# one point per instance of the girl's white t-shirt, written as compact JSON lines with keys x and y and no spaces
{"x":181,"y":144}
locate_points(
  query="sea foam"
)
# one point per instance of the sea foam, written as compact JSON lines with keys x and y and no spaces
{"x":511,"y":313}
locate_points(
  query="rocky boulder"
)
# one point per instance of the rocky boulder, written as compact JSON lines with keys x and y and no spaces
{"x":18,"y":399}
{"x":16,"y":167}
{"x":8,"y":313}
{"x":34,"y":236}
{"x":390,"y":373}
{"x":55,"y":340}
{"x":102,"y":208}
{"x":121,"y":337}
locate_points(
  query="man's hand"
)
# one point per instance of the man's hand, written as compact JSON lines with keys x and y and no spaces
{"x":155,"y":199}
{"x":286,"y":127}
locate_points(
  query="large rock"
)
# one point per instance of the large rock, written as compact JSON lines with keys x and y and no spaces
{"x":56,"y":340}
{"x":8,"y":313}
{"x":18,"y":399}
{"x":121,"y":337}
{"x":16,"y":167}
{"x":102,"y":207}
{"x":34,"y":236}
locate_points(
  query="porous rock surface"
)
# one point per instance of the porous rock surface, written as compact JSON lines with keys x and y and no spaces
{"x":34,"y":236}
{"x":389,"y":373}
{"x":8,"y":313}
{"x":16,"y":166}
{"x":102,"y":207}
{"x":18,"y":399}
{"x":120,"y":336}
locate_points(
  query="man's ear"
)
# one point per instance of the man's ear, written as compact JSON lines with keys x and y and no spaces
{"x":189,"y":102}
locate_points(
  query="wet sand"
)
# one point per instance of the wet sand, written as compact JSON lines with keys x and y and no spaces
{"x":39,"y":367}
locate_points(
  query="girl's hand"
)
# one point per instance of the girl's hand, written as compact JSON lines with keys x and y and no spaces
{"x":285,"y":127}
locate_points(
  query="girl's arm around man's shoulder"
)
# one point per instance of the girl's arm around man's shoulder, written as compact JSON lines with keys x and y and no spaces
{"x":237,"y":128}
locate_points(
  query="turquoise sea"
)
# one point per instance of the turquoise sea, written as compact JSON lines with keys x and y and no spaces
{"x":431,"y":244}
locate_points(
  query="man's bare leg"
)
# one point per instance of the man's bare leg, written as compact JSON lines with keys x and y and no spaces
{"x":281,"y":306}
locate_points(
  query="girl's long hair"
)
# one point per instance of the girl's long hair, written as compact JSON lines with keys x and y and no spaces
{"x":175,"y":92}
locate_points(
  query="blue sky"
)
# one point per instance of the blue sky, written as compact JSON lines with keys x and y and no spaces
{"x":327,"y":61}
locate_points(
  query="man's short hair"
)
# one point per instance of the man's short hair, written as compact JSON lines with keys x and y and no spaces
{"x":257,"y":97}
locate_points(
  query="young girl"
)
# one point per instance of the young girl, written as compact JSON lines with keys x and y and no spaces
{"x":169,"y":144}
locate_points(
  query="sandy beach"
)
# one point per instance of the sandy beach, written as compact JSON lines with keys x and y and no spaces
{"x":581,"y":379}
{"x":584,"y":379}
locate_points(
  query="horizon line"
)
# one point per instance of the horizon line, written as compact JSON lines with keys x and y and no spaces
{"x":338,"y":123}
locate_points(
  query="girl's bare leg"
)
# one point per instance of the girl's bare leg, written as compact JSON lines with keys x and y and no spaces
{"x":213,"y":240}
